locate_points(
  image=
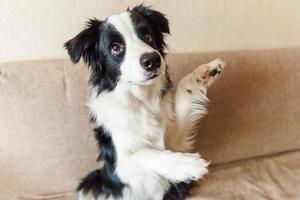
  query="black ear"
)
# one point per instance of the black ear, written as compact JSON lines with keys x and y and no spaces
{"x":85,"y":44}
{"x":157,"y":20}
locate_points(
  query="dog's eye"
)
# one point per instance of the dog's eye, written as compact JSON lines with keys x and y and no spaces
{"x":116,"y":48}
{"x":148,"y":38}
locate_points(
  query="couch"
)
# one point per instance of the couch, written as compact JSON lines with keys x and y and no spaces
{"x":251,"y":134}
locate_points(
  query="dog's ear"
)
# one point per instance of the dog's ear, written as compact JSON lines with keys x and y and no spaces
{"x":86,"y":44}
{"x":157,"y":20}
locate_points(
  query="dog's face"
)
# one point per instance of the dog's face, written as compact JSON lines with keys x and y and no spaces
{"x":127,"y":48}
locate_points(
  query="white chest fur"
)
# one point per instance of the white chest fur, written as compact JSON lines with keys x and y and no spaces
{"x":135,"y":117}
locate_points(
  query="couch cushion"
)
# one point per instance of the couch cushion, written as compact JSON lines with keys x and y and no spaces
{"x":46,"y":142}
{"x":263,"y":178}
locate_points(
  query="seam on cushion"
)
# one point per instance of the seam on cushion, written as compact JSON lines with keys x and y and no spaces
{"x":58,"y":195}
{"x":215,"y":167}
{"x":3,"y":76}
{"x":65,"y":82}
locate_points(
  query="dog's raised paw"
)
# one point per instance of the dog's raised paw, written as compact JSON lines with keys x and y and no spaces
{"x":214,"y":69}
{"x":207,"y":73}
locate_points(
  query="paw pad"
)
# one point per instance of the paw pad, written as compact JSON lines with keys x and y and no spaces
{"x":213,"y":72}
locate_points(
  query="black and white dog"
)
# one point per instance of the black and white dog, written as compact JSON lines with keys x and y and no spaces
{"x":138,"y":113}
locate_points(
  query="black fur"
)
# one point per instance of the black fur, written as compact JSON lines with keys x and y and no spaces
{"x":86,"y":44}
{"x":103,"y":181}
{"x":92,"y":44}
{"x":152,"y":22}
{"x":179,"y":191}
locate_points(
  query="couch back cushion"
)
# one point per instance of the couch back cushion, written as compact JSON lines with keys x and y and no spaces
{"x":47,"y":143}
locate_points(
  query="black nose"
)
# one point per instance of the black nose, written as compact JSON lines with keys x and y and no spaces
{"x":150,"y":61}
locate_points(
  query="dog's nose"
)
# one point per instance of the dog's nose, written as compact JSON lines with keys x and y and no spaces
{"x":150,"y":61}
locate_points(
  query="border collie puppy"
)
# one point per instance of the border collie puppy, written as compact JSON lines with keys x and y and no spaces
{"x":143,"y":123}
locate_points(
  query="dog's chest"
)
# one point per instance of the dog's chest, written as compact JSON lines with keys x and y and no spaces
{"x":133,"y":124}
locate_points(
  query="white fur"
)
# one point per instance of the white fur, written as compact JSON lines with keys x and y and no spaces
{"x":137,"y":118}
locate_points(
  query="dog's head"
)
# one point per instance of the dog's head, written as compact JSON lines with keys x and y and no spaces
{"x":128,"y":47}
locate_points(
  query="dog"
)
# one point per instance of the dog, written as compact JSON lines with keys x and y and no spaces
{"x":144,"y":123}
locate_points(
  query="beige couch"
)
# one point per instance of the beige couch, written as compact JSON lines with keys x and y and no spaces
{"x":251,"y":135}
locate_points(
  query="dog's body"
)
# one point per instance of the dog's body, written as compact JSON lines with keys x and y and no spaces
{"x":136,"y":108}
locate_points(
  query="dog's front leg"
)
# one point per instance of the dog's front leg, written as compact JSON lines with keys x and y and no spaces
{"x":190,"y":104}
{"x":173,"y":167}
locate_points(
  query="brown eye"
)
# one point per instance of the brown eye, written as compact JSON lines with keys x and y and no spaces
{"x":148,"y":38}
{"x":116,"y":48}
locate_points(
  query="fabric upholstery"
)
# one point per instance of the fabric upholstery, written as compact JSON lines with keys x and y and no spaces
{"x":275,"y":177}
